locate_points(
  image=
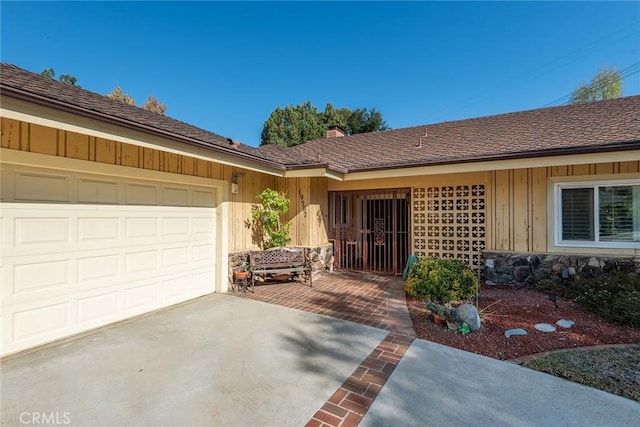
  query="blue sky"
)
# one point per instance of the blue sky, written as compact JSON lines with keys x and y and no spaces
{"x":225,"y":66}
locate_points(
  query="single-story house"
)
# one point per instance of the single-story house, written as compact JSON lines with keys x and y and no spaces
{"x":109,"y":211}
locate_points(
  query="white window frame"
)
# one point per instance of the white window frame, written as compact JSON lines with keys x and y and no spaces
{"x":557,"y":222}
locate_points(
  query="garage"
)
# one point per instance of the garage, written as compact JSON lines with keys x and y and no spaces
{"x":87,"y":244}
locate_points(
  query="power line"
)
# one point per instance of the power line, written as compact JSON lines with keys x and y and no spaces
{"x":624,"y":74}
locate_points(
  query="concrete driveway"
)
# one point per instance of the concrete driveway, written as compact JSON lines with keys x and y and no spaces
{"x":228,"y":361}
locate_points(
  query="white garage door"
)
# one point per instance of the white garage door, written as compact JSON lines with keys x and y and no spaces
{"x":81,"y":250}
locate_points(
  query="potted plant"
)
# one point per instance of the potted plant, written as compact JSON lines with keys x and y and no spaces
{"x":241,"y":272}
{"x":438,"y":312}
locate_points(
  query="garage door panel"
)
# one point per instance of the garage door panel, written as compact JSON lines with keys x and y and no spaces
{"x":99,"y":309}
{"x":103,"y":266}
{"x":176,"y":256}
{"x":27,"y":325}
{"x":95,"y":191}
{"x":139,"y":227}
{"x":203,"y":252}
{"x":38,"y":276}
{"x":140,"y":194}
{"x":94,"y":229}
{"x":140,"y":261}
{"x":84,"y":258}
{"x":41,"y":187}
{"x":41,"y":231}
{"x":142,"y":297}
{"x":203,"y":225}
{"x":175,"y":226}
{"x":204,"y":198}
{"x":175,"y":196}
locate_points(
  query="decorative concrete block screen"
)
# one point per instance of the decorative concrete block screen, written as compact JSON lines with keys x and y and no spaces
{"x":449,"y":222}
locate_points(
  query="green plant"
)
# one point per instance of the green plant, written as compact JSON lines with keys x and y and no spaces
{"x":442,"y":280}
{"x":242,"y":267}
{"x":614,"y":295}
{"x":267,"y":220}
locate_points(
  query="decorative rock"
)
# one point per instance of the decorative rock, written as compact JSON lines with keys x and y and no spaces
{"x":563,"y":323}
{"x":594,"y":262}
{"x":512,"y":332}
{"x":544,"y":327}
{"x":467,"y":313}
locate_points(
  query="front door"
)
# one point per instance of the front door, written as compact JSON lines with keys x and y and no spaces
{"x":371,"y":230}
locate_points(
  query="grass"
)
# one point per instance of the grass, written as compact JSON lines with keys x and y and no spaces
{"x":614,"y":369}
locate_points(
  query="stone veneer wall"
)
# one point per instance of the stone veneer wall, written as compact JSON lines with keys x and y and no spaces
{"x":516,"y":268}
{"x":320,"y":258}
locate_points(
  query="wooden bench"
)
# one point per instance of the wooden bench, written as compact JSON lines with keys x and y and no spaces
{"x":278,"y":260}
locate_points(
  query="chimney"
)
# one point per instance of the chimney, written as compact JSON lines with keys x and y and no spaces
{"x":335,"y":131}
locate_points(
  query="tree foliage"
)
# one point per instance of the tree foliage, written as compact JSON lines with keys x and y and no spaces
{"x":267,"y":220}
{"x":294,"y":125}
{"x":118,"y":95}
{"x":606,"y":84}
{"x":64,"y":78}
{"x":154,"y":105}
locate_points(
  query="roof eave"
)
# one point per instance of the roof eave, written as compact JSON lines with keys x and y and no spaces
{"x":26,"y":96}
{"x":603,"y":148}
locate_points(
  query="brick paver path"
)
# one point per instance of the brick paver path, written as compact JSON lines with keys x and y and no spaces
{"x":377,"y":301}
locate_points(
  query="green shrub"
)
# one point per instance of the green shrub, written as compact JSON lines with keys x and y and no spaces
{"x":442,"y":280}
{"x":614,"y":295}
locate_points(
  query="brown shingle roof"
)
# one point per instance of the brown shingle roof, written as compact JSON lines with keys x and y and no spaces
{"x":597,"y":126}
{"x":16,"y":80}
{"x":592,"y":127}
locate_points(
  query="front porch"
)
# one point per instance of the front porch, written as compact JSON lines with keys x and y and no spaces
{"x":363,"y":298}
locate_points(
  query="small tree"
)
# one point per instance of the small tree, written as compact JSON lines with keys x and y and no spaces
{"x":267,"y":222}
{"x":154,"y":106}
{"x":119,"y":95}
{"x":606,"y":84}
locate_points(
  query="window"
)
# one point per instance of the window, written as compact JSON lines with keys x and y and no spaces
{"x":598,"y":214}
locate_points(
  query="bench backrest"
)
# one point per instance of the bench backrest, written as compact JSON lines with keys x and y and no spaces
{"x":277,"y":257}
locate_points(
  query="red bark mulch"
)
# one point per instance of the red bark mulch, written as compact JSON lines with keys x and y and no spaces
{"x":504,"y":308}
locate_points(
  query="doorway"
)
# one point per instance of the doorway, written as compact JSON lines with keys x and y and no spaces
{"x":370,"y":230}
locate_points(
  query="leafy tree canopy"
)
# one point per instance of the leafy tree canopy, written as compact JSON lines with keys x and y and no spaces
{"x":294,"y":125}
{"x":606,"y":84}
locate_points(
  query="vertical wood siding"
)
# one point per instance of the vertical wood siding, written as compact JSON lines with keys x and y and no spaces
{"x":306,"y":230}
{"x":520,"y":202}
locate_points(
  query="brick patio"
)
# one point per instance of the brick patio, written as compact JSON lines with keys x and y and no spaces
{"x":363,"y":298}
{"x":377,"y":301}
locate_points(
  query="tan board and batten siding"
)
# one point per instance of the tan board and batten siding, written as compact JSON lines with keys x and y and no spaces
{"x":516,"y":211}
{"x":308,"y":210}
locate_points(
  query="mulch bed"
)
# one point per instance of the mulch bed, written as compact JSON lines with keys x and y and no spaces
{"x":504,"y":308}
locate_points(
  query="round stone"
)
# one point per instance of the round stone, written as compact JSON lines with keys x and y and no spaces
{"x":544,"y":327}
{"x":563,"y":323}
{"x":511,"y":332}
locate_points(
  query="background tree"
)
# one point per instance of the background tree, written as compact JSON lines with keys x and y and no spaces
{"x":50,"y":72}
{"x":606,"y":84}
{"x":64,"y":78}
{"x":292,"y":125}
{"x":119,"y":95}
{"x":68,"y":79}
{"x":362,"y":120}
{"x":154,"y":105}
{"x":302,"y":123}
